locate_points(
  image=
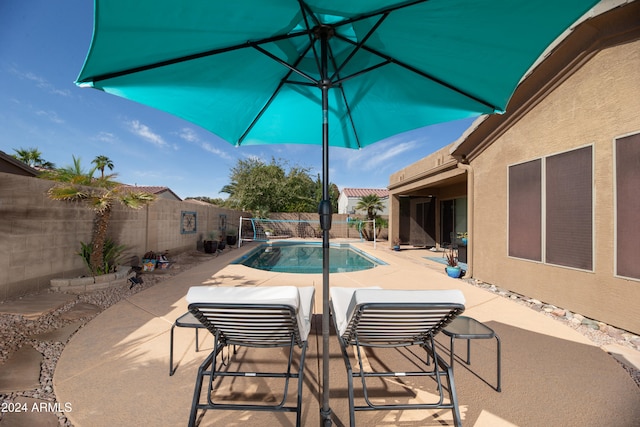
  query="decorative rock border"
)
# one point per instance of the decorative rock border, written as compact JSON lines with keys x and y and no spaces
{"x":574,"y":319}
{"x":80,"y":285}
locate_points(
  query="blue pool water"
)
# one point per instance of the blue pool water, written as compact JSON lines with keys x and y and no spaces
{"x":287,"y":257}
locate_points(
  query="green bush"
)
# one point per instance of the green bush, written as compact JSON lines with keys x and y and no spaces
{"x":111,"y":256}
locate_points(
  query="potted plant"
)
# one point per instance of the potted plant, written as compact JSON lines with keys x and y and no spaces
{"x":211,"y":244}
{"x":222,"y":243}
{"x":463,"y":236}
{"x":396,"y":243}
{"x":452,"y":268}
{"x":232,"y":236}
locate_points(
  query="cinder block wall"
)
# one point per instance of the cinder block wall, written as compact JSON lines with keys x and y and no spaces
{"x":337,"y":232}
{"x":40,"y":237}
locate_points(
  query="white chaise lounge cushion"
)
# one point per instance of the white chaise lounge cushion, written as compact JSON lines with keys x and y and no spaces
{"x":346,"y":300}
{"x":301,"y":299}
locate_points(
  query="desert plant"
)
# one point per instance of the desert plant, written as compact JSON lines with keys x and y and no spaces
{"x":99,"y":195}
{"x":371,"y":204}
{"x":111,"y":256}
{"x":452,"y":258}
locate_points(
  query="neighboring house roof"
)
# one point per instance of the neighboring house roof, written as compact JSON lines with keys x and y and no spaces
{"x":198,"y":202}
{"x":10,"y":164}
{"x":361,"y":192}
{"x":163,"y":192}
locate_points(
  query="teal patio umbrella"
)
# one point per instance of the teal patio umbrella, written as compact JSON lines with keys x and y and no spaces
{"x":343,"y":73}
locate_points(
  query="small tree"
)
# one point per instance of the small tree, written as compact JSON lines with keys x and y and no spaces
{"x":370,"y":203}
{"x":99,"y":195}
{"x":102,"y":162}
{"x":32,"y":157}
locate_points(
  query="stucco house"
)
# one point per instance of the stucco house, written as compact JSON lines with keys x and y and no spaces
{"x":548,"y":192}
{"x":349,"y":198}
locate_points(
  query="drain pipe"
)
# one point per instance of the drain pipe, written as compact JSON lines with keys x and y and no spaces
{"x":470,"y":241}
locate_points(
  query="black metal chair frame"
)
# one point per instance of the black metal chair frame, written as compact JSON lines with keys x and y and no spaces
{"x":187,"y":320}
{"x":248,"y":325}
{"x":464,"y":327}
{"x":400,"y":325}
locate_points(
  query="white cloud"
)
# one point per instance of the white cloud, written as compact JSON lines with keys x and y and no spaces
{"x":188,"y":134}
{"x":42,"y":83}
{"x":377,"y":155}
{"x":191,"y":136}
{"x":51,"y":115}
{"x":105,"y":137}
{"x":144,"y":132}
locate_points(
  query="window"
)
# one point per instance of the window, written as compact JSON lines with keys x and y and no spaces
{"x":627,"y":193}
{"x":525,"y":210}
{"x":558,"y":189}
{"x":569,"y":209}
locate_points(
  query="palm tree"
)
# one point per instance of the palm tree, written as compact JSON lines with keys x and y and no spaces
{"x":370,"y":203}
{"x":99,"y":194}
{"x":32,"y":157}
{"x":102,"y":162}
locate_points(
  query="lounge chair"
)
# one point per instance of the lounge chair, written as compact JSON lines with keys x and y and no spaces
{"x":277,"y":316}
{"x":370,"y":317}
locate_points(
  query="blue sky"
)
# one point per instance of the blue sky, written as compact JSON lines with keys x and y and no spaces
{"x":43,"y":44}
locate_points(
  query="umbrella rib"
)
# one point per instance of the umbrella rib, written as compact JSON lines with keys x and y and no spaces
{"x":283,"y":81}
{"x":286,"y":64}
{"x":344,"y":98}
{"x":359,"y":45}
{"x":172,"y":61}
{"x":363,"y":71}
{"x":305,"y":16}
{"x":408,"y":67}
{"x":304,"y":7}
{"x":384,"y":11}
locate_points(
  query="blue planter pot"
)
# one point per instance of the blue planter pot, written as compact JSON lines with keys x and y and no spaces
{"x":453,"y":272}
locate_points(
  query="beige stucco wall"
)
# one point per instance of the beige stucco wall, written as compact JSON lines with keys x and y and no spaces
{"x":416,"y":175}
{"x":40,"y":238}
{"x":599,"y":102}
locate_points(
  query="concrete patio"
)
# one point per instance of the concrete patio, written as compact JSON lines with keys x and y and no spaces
{"x":114,"y":371}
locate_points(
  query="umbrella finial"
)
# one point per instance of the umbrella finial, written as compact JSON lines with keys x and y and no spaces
{"x":323,"y":31}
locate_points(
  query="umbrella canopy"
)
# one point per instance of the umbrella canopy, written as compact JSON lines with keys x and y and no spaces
{"x":330,"y":72}
{"x":249,"y":72}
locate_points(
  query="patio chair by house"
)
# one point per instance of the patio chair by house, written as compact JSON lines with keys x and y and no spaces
{"x":262,"y":317}
{"x":374,"y":317}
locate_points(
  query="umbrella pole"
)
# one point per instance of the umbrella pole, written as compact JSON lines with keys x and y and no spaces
{"x":325,"y":212}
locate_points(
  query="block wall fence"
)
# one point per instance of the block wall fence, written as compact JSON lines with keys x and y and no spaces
{"x":40,"y":237}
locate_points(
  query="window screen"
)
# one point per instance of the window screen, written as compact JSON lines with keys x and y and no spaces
{"x":569,"y":206}
{"x":627,"y":151}
{"x":525,"y":210}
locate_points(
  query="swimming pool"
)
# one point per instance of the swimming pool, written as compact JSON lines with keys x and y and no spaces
{"x":306,"y":258}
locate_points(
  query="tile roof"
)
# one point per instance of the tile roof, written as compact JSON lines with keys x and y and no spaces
{"x":360,"y":192}
{"x":153,"y":189}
